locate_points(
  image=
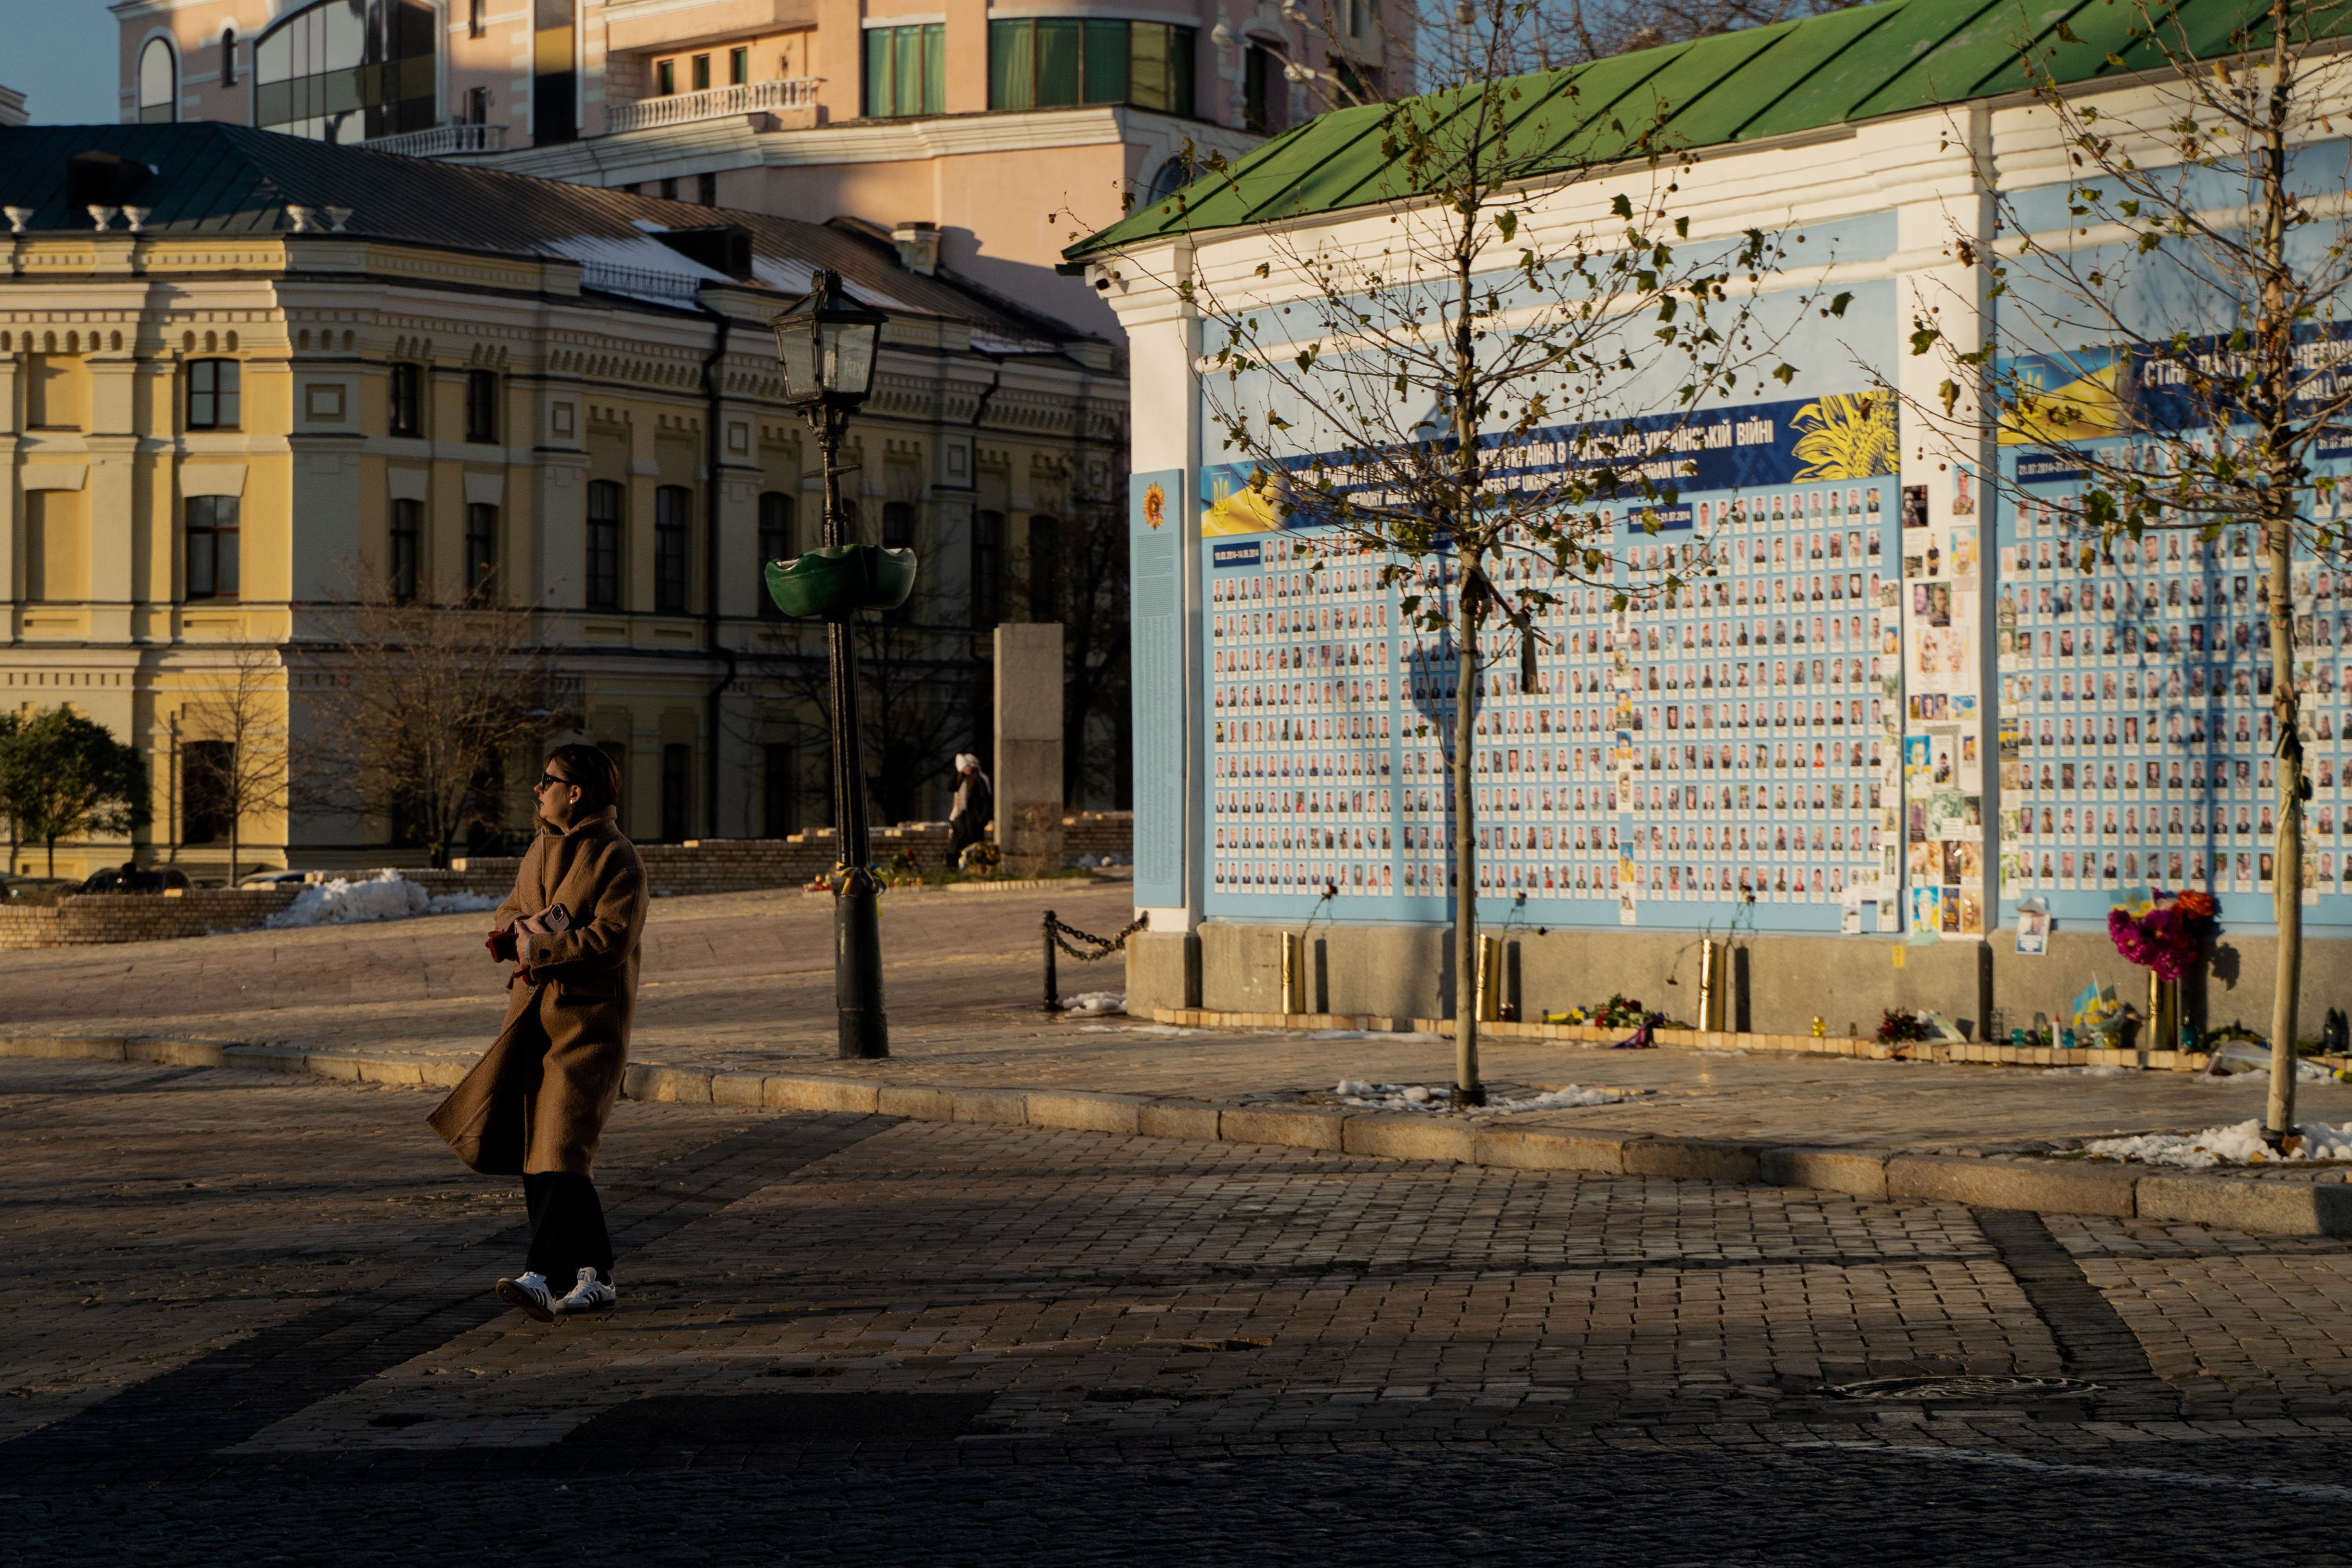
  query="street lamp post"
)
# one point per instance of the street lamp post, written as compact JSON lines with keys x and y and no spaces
{"x":826,"y":345}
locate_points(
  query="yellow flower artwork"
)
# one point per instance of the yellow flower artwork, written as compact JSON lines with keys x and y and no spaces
{"x":1847,"y":436}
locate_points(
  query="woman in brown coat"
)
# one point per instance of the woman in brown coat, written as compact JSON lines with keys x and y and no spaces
{"x":535,"y":1105}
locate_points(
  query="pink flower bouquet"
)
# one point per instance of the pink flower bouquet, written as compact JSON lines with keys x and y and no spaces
{"x":2167,"y":934}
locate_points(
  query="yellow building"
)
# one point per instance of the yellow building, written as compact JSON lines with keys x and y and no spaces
{"x":245,"y":378}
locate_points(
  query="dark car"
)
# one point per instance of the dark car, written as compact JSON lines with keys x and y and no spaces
{"x":134,"y":879}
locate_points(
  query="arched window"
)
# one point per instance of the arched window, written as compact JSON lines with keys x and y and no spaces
{"x":603,"y":545}
{"x":346,"y":70}
{"x":159,"y":84}
{"x":228,"y":56}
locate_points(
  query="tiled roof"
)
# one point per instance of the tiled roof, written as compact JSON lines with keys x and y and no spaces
{"x":212,"y":178}
{"x":1892,"y":58}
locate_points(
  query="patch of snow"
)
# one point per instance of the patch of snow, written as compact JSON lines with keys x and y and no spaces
{"x":2241,"y":1143}
{"x":989,"y":342}
{"x":1368,"y":1096}
{"x":2107,"y":1069}
{"x":644,"y":254}
{"x":386,"y":896}
{"x":779,"y":272}
{"x":1096,"y":1004}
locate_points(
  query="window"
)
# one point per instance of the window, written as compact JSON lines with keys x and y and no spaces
{"x":897,"y":525}
{"x":706,"y":189}
{"x":677,"y":780}
{"x":1045,"y":568}
{"x":159,"y":84}
{"x":987,"y":569}
{"x":477,"y":105}
{"x":665,"y":79}
{"x":554,"y":84}
{"x":1265,"y":92}
{"x":482,"y":405}
{"x":669,"y":190}
{"x":780,"y":784}
{"x":213,"y":394}
{"x":739,"y":66}
{"x":1361,"y":83}
{"x":1056,"y":63}
{"x":481,"y":548}
{"x":406,"y":411}
{"x":775,"y":545}
{"x":671,"y":506}
{"x":336,"y":71}
{"x":212,"y":547}
{"x":703,"y":73}
{"x":603,"y":545}
{"x":228,"y":56}
{"x":407,"y":532}
{"x":207,"y":768}
{"x":905,"y":71}
{"x":477,"y":17}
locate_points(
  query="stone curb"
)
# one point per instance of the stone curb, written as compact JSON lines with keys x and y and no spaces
{"x":2293,"y":1208}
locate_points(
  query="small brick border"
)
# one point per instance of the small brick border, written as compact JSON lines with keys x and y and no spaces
{"x":2291,"y":1208}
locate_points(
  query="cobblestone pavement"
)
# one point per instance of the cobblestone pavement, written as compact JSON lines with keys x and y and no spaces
{"x":744,"y":980}
{"x":249,"y":1317}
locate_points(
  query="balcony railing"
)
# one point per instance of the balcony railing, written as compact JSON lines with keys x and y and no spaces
{"x":713,"y":103}
{"x":442,"y":142}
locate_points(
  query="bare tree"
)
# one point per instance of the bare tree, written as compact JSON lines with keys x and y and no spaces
{"x":1094,"y":637}
{"x":2174,"y":332}
{"x":419,"y":709}
{"x":1377,"y":50}
{"x":235,"y":748}
{"x":1465,"y":384}
{"x":911,"y":680}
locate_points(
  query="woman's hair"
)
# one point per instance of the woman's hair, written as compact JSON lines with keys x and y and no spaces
{"x":598,"y":776}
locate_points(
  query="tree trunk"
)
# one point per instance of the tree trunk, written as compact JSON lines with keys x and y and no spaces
{"x":234,"y":824}
{"x":2275,"y":339}
{"x":2286,"y":870}
{"x":1468,"y":1090}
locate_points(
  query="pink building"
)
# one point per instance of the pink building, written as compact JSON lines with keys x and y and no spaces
{"x":984,"y":138}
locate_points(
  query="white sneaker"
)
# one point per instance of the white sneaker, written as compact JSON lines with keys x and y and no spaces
{"x":590,"y":1295}
{"x":529,"y":1293}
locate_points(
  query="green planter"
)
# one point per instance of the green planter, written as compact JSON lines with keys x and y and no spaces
{"x":840,"y":578}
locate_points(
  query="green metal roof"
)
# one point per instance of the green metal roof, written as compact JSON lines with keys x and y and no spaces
{"x":1894,"y":57}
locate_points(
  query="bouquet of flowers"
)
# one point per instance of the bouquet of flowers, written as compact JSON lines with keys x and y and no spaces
{"x":2163,"y":931}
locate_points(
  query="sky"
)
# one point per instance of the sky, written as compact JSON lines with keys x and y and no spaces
{"x":61,"y":56}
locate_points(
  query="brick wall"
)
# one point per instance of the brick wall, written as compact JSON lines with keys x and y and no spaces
{"x":85,"y":920}
{"x":742,"y":865}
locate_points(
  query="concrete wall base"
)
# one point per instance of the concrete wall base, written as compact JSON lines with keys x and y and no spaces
{"x":1780,"y":984}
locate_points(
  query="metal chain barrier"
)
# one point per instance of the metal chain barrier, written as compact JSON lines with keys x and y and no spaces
{"x":1058,"y":936}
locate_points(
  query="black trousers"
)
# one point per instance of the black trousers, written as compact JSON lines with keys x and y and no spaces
{"x":567,"y":1227}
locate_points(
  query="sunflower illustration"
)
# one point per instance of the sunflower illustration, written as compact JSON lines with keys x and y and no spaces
{"x":1847,"y":436}
{"x":1155,"y":505}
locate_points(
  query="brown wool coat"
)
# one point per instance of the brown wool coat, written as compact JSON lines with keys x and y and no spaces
{"x":538,"y":1098}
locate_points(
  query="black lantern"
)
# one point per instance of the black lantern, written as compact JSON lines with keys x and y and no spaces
{"x":826,"y":344}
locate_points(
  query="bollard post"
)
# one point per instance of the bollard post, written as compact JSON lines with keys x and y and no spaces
{"x":1053,"y":994}
{"x":1710,"y":985}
